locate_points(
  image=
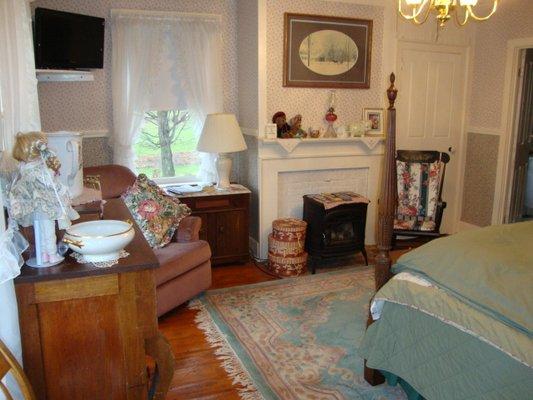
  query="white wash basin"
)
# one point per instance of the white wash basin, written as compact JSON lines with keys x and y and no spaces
{"x":99,"y":240}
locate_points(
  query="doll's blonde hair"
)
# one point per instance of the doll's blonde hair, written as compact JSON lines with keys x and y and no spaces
{"x":27,"y":148}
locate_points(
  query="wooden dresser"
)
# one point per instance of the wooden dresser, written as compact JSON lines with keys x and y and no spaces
{"x":225,"y":221}
{"x":87,"y":332}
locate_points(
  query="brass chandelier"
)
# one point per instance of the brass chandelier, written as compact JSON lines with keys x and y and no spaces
{"x":463,"y":10}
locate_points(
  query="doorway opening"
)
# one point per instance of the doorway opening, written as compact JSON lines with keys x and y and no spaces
{"x":521,"y":199}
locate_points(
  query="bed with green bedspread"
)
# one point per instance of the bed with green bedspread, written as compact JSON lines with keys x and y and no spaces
{"x":456,"y":320}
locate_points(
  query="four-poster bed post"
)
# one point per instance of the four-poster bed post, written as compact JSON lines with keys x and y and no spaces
{"x":386,"y":210}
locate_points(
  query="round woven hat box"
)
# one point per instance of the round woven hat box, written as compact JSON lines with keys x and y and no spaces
{"x":289,"y":230}
{"x":285,"y":249}
{"x":287,"y":266}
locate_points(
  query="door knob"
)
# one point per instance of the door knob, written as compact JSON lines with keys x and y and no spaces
{"x":451,"y":150}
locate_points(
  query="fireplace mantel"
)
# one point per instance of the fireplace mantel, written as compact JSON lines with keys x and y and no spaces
{"x":307,"y":147}
{"x":314,"y":165}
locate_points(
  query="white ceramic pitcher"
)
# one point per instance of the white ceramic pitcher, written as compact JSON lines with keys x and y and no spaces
{"x":68,"y":147}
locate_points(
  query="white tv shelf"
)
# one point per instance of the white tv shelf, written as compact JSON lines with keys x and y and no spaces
{"x":63,"y":75}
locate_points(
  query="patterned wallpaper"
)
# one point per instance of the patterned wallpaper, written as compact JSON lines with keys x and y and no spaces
{"x":97,"y":151}
{"x":480,"y":178}
{"x":247,"y":72}
{"x":247,"y":68}
{"x":312,"y":103}
{"x":512,"y":20}
{"x":88,"y":105}
{"x":249,"y":176}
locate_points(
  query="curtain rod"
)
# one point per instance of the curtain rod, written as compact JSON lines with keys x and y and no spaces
{"x":121,"y":11}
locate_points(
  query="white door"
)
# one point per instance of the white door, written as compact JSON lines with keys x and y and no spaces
{"x":431,"y":100}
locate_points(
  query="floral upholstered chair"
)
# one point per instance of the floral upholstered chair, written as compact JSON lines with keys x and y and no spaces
{"x":420,"y":179}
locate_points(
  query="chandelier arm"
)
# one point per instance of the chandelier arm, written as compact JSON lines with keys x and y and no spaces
{"x":416,"y":11}
{"x":494,"y":7}
{"x":425,"y":18}
{"x":465,"y":20}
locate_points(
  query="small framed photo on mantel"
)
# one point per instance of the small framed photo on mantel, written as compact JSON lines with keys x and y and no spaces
{"x":327,"y":52}
{"x":377,"y":123}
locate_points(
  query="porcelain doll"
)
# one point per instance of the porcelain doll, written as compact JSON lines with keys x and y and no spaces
{"x":37,"y":197}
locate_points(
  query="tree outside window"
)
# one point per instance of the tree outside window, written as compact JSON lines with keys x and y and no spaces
{"x":166,"y":146}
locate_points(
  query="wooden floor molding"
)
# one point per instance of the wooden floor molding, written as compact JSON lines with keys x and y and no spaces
{"x":198,"y":374}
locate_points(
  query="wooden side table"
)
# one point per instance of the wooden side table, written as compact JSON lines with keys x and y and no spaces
{"x":225,"y":221}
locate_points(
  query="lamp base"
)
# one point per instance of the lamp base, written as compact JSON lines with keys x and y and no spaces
{"x":223,"y":164}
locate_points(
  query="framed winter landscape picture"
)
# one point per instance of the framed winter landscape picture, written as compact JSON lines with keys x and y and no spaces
{"x":328,"y":52}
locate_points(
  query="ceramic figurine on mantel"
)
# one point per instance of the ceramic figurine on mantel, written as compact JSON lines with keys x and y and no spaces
{"x":38,"y":198}
{"x":359,"y":129}
{"x":331,"y":117}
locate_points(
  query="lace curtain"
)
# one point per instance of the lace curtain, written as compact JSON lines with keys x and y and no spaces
{"x":19,"y":111}
{"x":19,"y":104}
{"x":163,"y":60}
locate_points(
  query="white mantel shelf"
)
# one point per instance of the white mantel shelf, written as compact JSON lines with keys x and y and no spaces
{"x":323,"y":140}
{"x":320,"y":147}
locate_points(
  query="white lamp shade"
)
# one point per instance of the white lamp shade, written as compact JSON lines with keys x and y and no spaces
{"x":221,"y":134}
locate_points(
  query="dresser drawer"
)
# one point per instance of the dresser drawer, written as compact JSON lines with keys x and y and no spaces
{"x":215,"y":203}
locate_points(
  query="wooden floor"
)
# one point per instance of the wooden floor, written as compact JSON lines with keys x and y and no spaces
{"x":198,"y":374}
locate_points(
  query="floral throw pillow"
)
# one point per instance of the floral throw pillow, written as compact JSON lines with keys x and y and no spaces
{"x":157,"y":214}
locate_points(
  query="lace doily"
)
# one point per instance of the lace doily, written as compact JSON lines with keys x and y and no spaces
{"x":101,"y":264}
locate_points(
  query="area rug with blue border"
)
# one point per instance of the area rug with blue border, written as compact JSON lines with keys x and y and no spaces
{"x":295,"y":338}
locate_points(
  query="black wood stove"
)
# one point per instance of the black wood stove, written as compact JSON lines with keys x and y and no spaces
{"x":335,"y":232}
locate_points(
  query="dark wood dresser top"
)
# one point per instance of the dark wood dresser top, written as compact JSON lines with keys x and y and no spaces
{"x":141,"y":255}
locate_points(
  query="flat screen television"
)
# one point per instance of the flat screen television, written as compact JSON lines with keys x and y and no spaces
{"x":68,"y":41}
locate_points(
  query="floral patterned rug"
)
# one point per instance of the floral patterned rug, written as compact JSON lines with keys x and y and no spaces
{"x":295,"y":338}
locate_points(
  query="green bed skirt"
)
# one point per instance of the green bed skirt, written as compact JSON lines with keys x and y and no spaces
{"x":440,"y":362}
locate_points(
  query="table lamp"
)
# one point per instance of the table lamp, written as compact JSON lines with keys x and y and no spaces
{"x":222,"y":135}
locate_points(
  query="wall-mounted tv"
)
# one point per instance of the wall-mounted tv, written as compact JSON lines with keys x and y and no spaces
{"x":68,"y":41}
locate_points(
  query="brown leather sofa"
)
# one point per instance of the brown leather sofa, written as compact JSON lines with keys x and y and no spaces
{"x":185,"y":263}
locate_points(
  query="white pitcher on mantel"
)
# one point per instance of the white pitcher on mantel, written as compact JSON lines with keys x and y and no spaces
{"x":68,"y":147}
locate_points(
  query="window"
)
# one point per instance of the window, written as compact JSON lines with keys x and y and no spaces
{"x":165,"y":148}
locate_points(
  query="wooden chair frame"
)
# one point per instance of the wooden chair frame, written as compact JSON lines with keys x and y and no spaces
{"x":424,"y":156}
{"x":8,"y":363}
